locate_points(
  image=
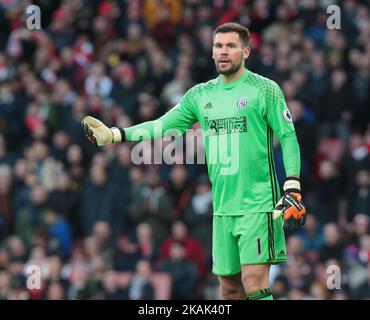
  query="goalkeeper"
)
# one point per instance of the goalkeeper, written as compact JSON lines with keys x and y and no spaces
{"x":238,"y":111}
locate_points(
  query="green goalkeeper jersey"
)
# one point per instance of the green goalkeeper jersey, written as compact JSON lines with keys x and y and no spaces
{"x":238,"y":121}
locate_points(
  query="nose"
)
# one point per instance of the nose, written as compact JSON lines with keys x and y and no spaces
{"x":223,"y":50}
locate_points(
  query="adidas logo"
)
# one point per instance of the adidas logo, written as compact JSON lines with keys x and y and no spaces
{"x":281,"y":253}
{"x":208,"y":106}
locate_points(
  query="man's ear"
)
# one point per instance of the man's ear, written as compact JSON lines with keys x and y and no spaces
{"x":246,"y":52}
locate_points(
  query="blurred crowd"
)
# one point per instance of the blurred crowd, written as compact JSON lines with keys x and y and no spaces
{"x":100,"y":227}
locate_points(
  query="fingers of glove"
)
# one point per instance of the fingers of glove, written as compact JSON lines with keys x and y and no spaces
{"x":92,"y":122}
{"x":296,"y":195}
{"x":279,"y":209}
{"x":302,"y":221}
{"x":291,"y":224}
{"x":86,"y":128}
{"x":289,"y":212}
{"x":292,"y":211}
{"x":92,"y":139}
{"x":277,"y":214}
{"x":294,"y":199}
{"x":89,"y":133}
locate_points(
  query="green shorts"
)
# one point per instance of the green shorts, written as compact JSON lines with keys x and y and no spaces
{"x":253,"y":238}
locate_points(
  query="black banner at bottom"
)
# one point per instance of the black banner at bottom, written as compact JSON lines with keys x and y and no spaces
{"x":153,"y":310}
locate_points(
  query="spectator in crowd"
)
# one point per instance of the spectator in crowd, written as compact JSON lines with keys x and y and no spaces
{"x":111,"y":289}
{"x":333,"y":243}
{"x":67,"y":202}
{"x":360,"y":201}
{"x":193,"y":250}
{"x":198,"y":215}
{"x":6,"y":200}
{"x":55,"y":274}
{"x":363,"y":291}
{"x":179,"y":190}
{"x":100,"y":200}
{"x":183,"y":273}
{"x":141,"y":287}
{"x":55,"y":291}
{"x":147,"y":246}
{"x":312,"y":238}
{"x":16,"y":248}
{"x":152,"y":204}
{"x":59,"y":232}
{"x":5,"y":283}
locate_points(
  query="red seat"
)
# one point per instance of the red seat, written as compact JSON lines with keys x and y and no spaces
{"x":330,"y":149}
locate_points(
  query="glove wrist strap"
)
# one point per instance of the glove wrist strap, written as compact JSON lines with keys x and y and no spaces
{"x":117,"y":137}
{"x":292,"y":184}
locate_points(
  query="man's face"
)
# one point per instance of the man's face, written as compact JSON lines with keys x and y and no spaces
{"x":229,"y":53}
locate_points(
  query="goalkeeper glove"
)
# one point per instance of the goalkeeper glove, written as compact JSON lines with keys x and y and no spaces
{"x":291,"y":205}
{"x":99,"y":134}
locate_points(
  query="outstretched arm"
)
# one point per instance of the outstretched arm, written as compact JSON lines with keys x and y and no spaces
{"x":176,"y":121}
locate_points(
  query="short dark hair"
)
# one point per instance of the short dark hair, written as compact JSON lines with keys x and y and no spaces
{"x":243,"y":32}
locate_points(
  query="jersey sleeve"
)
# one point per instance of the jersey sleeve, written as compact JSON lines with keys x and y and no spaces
{"x":174,"y":122}
{"x":278,"y":114}
{"x":280,"y":120}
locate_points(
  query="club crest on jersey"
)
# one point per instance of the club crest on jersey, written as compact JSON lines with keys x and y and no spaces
{"x":242,"y":103}
{"x":287,"y":115}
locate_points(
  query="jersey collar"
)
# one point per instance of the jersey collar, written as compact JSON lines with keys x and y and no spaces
{"x":233,"y":84}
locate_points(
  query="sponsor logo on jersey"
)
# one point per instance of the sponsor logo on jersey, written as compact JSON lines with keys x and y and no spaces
{"x":208,"y":106}
{"x":242,"y":103}
{"x":287,"y":115}
{"x":226,"y":125}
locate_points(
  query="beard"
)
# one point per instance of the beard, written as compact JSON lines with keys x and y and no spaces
{"x":231,"y":70}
